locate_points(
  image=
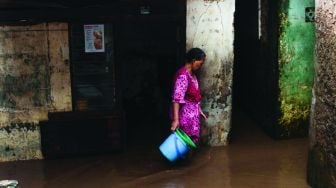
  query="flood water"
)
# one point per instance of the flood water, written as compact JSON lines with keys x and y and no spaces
{"x":252,"y":160}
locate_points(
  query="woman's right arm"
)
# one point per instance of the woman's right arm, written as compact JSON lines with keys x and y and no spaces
{"x":175,"y":121}
{"x":180,"y":88}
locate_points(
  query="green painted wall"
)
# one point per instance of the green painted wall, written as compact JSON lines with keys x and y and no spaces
{"x":296,"y":57}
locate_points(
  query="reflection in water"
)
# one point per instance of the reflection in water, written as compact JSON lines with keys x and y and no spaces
{"x":289,"y":162}
{"x":256,"y":159}
{"x":177,"y":184}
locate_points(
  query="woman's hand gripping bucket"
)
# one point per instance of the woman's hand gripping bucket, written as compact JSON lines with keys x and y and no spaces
{"x":176,"y":145}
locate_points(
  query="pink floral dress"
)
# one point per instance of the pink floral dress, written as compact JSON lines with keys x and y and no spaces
{"x":186,"y":92}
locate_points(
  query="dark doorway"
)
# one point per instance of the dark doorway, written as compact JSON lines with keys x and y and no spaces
{"x":246,"y":85}
{"x":148,"y":50}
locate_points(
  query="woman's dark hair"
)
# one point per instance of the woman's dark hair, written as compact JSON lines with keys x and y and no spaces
{"x":195,"y":54}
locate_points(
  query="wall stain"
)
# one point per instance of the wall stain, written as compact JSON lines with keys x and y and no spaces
{"x":29,"y":86}
{"x":211,"y":28}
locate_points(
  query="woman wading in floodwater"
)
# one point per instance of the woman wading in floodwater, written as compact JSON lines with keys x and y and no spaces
{"x":186,"y":97}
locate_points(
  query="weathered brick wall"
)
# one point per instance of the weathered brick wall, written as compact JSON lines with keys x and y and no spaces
{"x":34,"y":79}
{"x":322,"y":151}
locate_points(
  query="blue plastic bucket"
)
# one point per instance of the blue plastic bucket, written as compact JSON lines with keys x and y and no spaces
{"x":173,"y":147}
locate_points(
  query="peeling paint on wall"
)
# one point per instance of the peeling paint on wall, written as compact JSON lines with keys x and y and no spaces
{"x":23,"y":74}
{"x":60,"y":82}
{"x":210,"y":27}
{"x":296,"y":57}
{"x":34,"y":79}
{"x":20,"y":142}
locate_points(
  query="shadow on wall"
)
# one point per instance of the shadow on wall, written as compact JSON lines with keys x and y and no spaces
{"x":146,"y":93}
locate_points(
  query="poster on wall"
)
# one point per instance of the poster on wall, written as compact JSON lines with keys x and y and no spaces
{"x":94,"y":38}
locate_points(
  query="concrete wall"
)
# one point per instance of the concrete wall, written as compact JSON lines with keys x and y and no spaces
{"x":34,"y":79}
{"x":322,"y":132}
{"x":210,"y":27}
{"x":296,"y":56}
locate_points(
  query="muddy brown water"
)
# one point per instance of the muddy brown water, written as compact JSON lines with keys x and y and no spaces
{"x":251,"y":160}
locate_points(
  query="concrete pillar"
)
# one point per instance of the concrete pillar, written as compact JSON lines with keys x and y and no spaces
{"x":210,"y":27}
{"x":322,"y":131}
